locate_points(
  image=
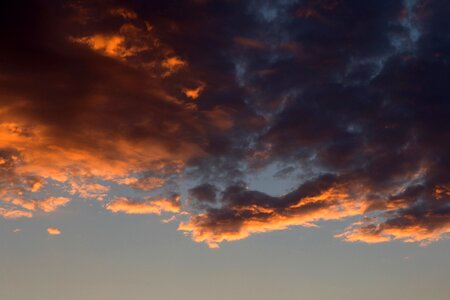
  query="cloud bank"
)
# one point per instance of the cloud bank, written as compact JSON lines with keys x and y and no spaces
{"x":153,"y":108}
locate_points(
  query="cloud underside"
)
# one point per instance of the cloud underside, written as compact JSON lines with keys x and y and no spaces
{"x":154,"y":114}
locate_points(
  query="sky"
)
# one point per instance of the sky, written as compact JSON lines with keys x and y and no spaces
{"x":225,"y":149}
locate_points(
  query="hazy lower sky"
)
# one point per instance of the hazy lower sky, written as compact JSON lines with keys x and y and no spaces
{"x":103,"y":256}
{"x":225,"y":149}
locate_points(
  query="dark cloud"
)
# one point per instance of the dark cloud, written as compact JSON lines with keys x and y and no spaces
{"x":203,"y":196}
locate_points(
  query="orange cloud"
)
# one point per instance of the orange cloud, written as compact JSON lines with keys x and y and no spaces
{"x":230,"y":225}
{"x":145,"y":183}
{"x":53,"y":231}
{"x":89,"y":190}
{"x":172,"y":64}
{"x":46,"y":205}
{"x":169,"y":220}
{"x":134,"y":207}
{"x":367,"y":235}
{"x":42,"y":157}
{"x":423,"y":233}
{"x":126,"y":44}
{"x":111,"y":45}
{"x":442,"y":191}
{"x":101,"y":143}
{"x":194,"y":93}
{"x":123,"y":12}
{"x":14,"y":213}
{"x":148,"y":183}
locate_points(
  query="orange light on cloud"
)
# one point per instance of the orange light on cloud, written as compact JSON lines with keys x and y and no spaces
{"x":250,"y":43}
{"x":89,"y":190}
{"x":172,"y":64}
{"x":14,"y":213}
{"x":414,"y":233}
{"x":194,"y":93}
{"x":110,"y":45}
{"x":53,"y":231}
{"x":46,"y":205}
{"x":133,"y":207}
{"x":337,"y":204}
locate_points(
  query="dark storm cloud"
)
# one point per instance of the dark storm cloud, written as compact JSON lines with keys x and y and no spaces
{"x":203,"y":196}
{"x":352,"y":94}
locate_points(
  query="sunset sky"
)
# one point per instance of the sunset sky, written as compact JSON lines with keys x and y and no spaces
{"x":225,"y":149}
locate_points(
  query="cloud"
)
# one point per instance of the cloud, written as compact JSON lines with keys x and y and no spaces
{"x":52,"y":144}
{"x":172,"y":64}
{"x":345,"y":101}
{"x":110,"y":45}
{"x":46,"y":205}
{"x":143,"y":207}
{"x":14,"y":213}
{"x":203,"y":196}
{"x":169,"y":220}
{"x":53,"y":231}
{"x":89,"y":190}
{"x":244,"y":212}
{"x":194,"y":93}
{"x":148,"y":183}
{"x":422,"y":222}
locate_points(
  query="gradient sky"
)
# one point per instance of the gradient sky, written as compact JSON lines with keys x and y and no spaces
{"x":225,"y":149}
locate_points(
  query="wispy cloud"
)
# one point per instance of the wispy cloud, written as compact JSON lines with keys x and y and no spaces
{"x":53,"y":231}
{"x":141,"y":207}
